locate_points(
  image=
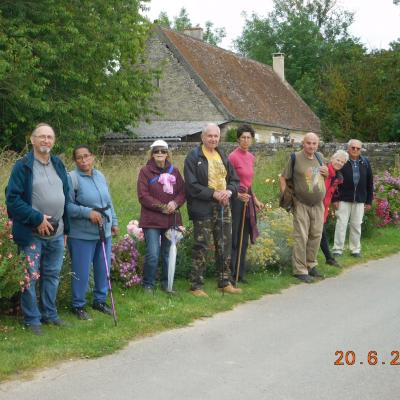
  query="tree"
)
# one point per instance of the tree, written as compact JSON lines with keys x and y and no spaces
{"x":76,"y":65}
{"x":181,"y":22}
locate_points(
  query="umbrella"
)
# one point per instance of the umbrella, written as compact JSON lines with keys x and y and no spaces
{"x":174,"y":235}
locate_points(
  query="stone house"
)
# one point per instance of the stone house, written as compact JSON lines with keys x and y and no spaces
{"x":203,"y":83}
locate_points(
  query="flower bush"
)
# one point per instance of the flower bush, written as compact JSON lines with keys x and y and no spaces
{"x":387,"y":198}
{"x":14,"y":267}
{"x":273,"y":246}
{"x":125,"y":257}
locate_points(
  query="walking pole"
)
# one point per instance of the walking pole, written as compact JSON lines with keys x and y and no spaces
{"x":222,"y":249}
{"x":240,"y":244}
{"x":103,"y":246}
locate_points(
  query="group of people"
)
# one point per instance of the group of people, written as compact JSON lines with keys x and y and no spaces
{"x":346,"y":182}
{"x":47,"y":205}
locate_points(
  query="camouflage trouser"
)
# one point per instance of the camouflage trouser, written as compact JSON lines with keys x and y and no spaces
{"x":221,"y":233}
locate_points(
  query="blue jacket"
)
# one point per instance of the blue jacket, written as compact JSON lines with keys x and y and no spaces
{"x":19,"y":198}
{"x":91,"y":192}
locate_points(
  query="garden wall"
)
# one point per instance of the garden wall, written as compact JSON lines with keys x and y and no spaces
{"x":381,"y":155}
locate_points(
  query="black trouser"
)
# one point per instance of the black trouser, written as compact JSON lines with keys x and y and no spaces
{"x":237,"y":215}
{"x":325,"y":245}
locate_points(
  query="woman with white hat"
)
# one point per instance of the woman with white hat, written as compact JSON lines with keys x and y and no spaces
{"x":161,"y":193}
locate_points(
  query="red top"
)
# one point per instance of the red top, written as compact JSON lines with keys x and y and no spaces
{"x":243,"y":162}
{"x":332,"y":181}
{"x":152,"y":197}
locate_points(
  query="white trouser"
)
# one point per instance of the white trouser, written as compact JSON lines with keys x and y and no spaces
{"x":352,"y":214}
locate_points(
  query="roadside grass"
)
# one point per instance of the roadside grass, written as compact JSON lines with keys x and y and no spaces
{"x":22,"y":353}
{"x":140,"y":315}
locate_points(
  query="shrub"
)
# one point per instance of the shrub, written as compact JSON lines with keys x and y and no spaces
{"x":387,"y":198}
{"x":14,"y":267}
{"x":125,"y":262}
{"x":273,"y":246}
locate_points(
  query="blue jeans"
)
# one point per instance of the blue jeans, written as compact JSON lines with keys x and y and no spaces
{"x":45,"y":256}
{"x":153,"y":248}
{"x":84,"y":253}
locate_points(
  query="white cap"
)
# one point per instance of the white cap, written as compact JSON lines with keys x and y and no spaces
{"x":159,"y":143}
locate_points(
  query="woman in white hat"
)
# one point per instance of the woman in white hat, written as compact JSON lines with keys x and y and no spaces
{"x":161,"y":193}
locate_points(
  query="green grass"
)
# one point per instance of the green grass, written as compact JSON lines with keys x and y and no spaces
{"x":21,"y":353}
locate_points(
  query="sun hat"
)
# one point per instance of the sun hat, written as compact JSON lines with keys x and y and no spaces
{"x":159,"y":143}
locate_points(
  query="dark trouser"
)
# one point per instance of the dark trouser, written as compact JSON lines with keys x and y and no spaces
{"x":237,"y":215}
{"x":220,"y":230}
{"x":325,"y":245}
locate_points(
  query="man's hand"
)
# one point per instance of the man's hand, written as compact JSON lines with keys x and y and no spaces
{"x":222,"y":196}
{"x":45,"y":228}
{"x":114,"y":230}
{"x":95,"y":217}
{"x":367,"y":207}
{"x":323,"y":170}
{"x":336,"y":205}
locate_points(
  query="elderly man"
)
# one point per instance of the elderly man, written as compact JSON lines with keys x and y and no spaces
{"x":36,"y":200}
{"x":306,"y":171}
{"x":210,"y":181}
{"x":355,"y":197}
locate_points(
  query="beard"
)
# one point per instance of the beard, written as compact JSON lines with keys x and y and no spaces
{"x":44,"y":150}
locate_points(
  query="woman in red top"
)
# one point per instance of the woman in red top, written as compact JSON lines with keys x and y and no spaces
{"x":332,"y":181}
{"x":243,"y":162}
{"x":160,"y":191}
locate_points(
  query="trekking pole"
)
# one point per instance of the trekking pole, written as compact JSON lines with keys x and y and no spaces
{"x":103,"y":246}
{"x":240,"y":244}
{"x":222,"y":250}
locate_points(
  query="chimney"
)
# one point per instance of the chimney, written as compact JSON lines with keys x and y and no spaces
{"x":196,"y":32}
{"x":278,"y":65}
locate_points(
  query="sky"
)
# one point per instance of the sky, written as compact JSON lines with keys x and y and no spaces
{"x":376,"y":22}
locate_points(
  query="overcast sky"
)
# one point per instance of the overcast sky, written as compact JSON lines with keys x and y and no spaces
{"x":376,"y":22}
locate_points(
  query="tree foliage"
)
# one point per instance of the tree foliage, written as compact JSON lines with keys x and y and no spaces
{"x":181,"y":22}
{"x":353,"y":92}
{"x":77,"y":65}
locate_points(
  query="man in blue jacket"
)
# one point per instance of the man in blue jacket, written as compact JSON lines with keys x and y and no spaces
{"x":36,"y":201}
{"x":355,"y":197}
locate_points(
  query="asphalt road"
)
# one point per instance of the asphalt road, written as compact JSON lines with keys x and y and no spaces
{"x":280,"y":347}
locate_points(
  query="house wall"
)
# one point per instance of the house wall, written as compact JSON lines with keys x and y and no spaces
{"x":179,"y":98}
{"x":264,"y":133}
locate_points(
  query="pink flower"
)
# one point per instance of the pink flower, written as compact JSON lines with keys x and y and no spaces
{"x":33,"y":246}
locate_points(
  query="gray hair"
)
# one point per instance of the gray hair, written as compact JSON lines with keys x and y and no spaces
{"x":209,"y":125}
{"x":41,"y":125}
{"x":351,"y":141}
{"x":341,"y":153}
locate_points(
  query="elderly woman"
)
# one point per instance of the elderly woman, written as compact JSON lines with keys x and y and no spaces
{"x":160,"y":191}
{"x":332,"y":181}
{"x":90,"y":205}
{"x":243,"y":162}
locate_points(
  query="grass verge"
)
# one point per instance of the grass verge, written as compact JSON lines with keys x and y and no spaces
{"x":21,"y":353}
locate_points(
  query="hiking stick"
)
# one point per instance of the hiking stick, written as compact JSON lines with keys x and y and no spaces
{"x":240,"y":244}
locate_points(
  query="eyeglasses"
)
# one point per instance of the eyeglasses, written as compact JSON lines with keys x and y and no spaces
{"x":83,"y":157}
{"x":43,"y":137}
{"x":160,"y":151}
{"x":355,"y":148}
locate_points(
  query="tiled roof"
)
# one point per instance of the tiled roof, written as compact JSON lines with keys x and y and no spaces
{"x":245,"y":89}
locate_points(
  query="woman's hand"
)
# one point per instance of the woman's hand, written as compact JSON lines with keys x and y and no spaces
{"x":259,"y":206}
{"x":171,"y":207}
{"x":114,"y":230}
{"x":95,"y":217}
{"x":245,"y":197}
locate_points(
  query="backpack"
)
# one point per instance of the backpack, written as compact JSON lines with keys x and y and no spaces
{"x":286,"y":200}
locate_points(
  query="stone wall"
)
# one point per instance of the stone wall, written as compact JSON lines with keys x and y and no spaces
{"x":381,"y":155}
{"x":179,"y":98}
